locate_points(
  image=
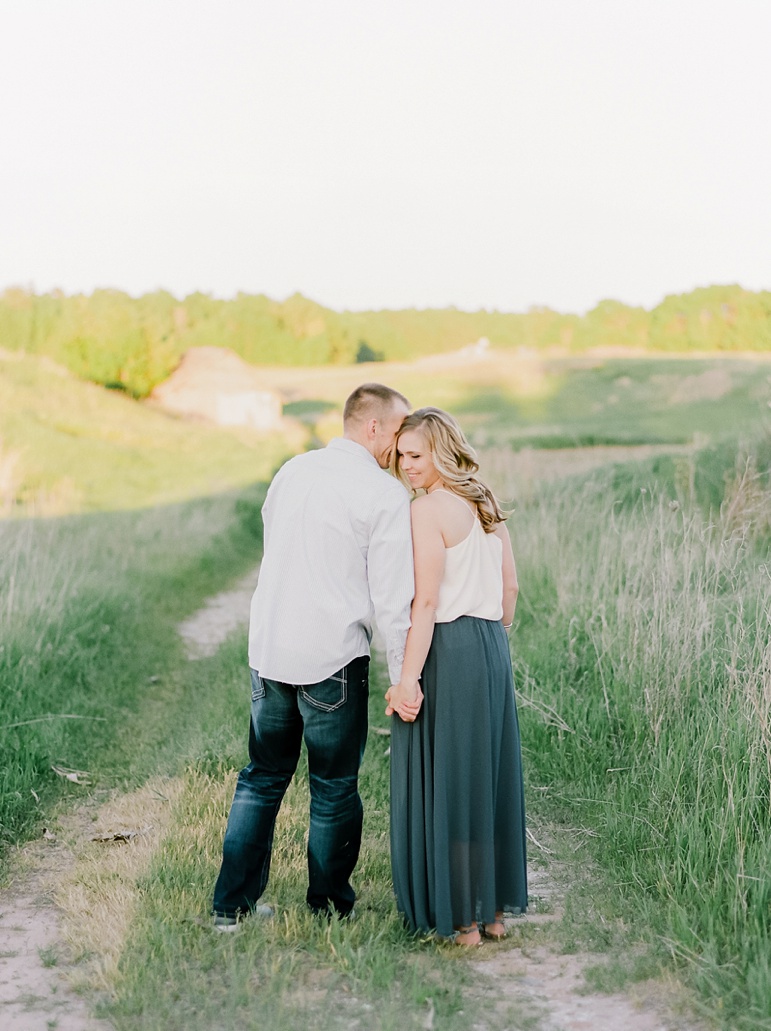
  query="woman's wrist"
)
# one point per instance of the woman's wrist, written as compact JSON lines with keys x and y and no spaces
{"x":410,"y":683}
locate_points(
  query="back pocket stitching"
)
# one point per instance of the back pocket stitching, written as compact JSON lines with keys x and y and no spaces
{"x":322,"y":706}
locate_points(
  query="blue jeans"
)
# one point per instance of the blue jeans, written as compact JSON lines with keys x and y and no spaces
{"x":332,"y":717}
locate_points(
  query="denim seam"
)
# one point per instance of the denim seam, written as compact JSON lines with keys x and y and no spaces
{"x":343,"y":681}
{"x":258,"y":692}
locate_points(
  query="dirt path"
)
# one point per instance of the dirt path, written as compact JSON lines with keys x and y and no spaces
{"x":35,"y":989}
{"x":44,"y":928}
{"x":553,"y":983}
{"x":44,"y":913}
{"x":65,"y":914}
{"x":223,"y":613}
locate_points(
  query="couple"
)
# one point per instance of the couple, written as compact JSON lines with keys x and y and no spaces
{"x":340,"y":535}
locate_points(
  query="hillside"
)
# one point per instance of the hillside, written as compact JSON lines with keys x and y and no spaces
{"x":66,"y":445}
{"x":133,"y":344}
{"x":512,"y":399}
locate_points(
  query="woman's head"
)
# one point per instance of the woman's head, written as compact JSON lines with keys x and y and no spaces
{"x":431,"y":449}
{"x":435,"y":435}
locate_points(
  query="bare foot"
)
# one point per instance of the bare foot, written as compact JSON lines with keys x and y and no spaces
{"x":495,"y":931}
{"x":468,"y":935}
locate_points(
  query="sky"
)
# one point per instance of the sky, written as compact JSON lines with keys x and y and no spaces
{"x":496,"y":154}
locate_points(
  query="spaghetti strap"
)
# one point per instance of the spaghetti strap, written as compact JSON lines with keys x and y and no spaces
{"x":466,"y":504}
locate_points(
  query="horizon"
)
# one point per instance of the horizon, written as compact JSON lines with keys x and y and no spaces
{"x":181,"y":298}
{"x":548,"y":154}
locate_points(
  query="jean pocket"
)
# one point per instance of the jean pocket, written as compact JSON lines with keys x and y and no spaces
{"x":329,"y":694}
{"x":258,"y":687}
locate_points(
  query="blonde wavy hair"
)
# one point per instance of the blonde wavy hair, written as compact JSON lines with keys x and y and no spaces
{"x":455,"y":461}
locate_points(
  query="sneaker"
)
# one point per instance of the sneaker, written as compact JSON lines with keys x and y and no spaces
{"x":232,"y":923}
{"x":225,"y":923}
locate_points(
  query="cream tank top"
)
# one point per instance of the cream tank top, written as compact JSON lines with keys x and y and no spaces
{"x":472,"y":584}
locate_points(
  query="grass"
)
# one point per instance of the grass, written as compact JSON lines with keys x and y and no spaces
{"x":521,"y":400}
{"x":49,"y":956}
{"x":302,"y":970}
{"x":67,"y":446}
{"x":642,"y":663}
{"x":643,"y":648}
{"x":642,"y":666}
{"x":87,"y":624}
{"x":112,"y":587}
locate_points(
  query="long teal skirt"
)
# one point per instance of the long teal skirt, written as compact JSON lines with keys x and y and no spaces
{"x":457,"y":802}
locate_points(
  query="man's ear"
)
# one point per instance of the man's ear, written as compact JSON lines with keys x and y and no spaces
{"x":372,"y":429}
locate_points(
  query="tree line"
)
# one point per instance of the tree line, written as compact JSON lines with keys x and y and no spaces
{"x":133,"y":343}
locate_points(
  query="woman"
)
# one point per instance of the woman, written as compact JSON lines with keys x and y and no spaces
{"x":457,"y":804}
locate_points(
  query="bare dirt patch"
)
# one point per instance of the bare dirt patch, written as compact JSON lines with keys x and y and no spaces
{"x":65,"y":915}
{"x":35,"y":965}
{"x":529,"y":974}
{"x":223,"y":613}
{"x":555,"y":987}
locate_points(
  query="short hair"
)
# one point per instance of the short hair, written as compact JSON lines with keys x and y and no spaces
{"x":371,"y":401}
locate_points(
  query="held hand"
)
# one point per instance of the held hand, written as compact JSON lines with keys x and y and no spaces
{"x":406,"y":710}
{"x":404,"y":700}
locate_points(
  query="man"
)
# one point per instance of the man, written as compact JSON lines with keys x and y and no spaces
{"x":337,"y":550}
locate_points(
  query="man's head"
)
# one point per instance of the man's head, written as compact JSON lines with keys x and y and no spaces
{"x":372,"y":415}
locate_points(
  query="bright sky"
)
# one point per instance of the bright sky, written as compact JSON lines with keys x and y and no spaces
{"x":393,"y":153}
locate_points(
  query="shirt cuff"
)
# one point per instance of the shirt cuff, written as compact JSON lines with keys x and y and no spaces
{"x":395,"y":658}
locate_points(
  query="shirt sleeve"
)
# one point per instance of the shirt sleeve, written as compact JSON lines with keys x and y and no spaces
{"x":391,"y":575}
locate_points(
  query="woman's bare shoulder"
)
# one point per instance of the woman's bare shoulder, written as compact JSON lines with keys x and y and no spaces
{"x":426,"y":505}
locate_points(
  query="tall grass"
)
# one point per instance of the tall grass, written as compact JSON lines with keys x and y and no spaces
{"x":644,"y":659}
{"x":644,"y":676}
{"x":88,"y":609}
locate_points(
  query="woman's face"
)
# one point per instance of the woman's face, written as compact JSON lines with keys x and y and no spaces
{"x":416,"y":461}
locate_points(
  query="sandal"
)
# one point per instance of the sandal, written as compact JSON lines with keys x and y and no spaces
{"x":468,"y":932}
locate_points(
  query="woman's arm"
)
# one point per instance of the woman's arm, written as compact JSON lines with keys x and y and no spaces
{"x":510,"y":584}
{"x":429,"y":554}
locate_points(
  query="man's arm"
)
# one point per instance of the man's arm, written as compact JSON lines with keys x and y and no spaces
{"x":390,"y":574}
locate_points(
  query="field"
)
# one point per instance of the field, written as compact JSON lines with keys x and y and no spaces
{"x":525,"y":399}
{"x":641,"y":527}
{"x":68,"y":446}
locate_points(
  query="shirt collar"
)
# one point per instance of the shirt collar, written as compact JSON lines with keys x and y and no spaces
{"x":343,"y":444}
